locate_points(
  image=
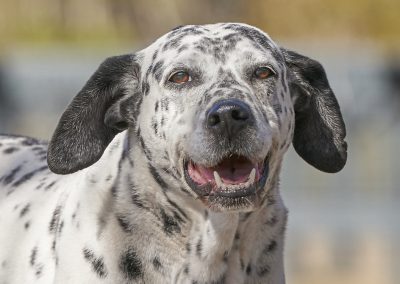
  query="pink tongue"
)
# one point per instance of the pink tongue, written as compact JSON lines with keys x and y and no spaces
{"x":232,"y":171}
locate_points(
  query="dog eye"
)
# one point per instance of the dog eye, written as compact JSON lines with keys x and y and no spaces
{"x":180,"y":77}
{"x":263,"y":72}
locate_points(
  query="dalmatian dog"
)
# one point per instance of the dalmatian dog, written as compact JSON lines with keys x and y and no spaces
{"x":165,"y":166}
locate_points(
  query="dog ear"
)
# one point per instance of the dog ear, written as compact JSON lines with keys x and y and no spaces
{"x":319,"y":127}
{"x":103,"y":108}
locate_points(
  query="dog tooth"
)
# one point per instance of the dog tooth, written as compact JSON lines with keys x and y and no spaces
{"x":218,"y":180}
{"x":252,"y":176}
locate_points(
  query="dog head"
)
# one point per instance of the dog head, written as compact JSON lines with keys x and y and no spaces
{"x":221,"y":103}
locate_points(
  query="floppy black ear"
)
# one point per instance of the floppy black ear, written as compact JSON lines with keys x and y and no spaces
{"x":319,"y":128}
{"x":102,"y":109}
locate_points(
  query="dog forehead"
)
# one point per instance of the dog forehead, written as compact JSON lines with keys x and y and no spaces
{"x":219,"y":40}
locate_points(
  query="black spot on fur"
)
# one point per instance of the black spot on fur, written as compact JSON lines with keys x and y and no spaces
{"x":270,"y":247}
{"x":146,"y":150}
{"x":199,"y":248}
{"x":97,"y":263}
{"x":192,"y":30}
{"x":54,"y":220}
{"x":39,"y":150}
{"x":28,"y":176}
{"x":165,"y":104}
{"x":154,"y":124}
{"x":27,"y":224}
{"x":278,"y":108}
{"x":114,"y":189}
{"x":157,"y":177}
{"x":10,"y":150}
{"x":173,"y":43}
{"x":180,"y":210}
{"x":24,"y":210}
{"x":258,"y":39}
{"x":182,"y":48}
{"x":262,"y":271}
{"x":135,"y":197}
{"x":73,"y":216}
{"x":154,"y":57}
{"x":39,"y":270}
{"x":248,"y":269}
{"x":156,"y":105}
{"x":145,"y":88}
{"x":175,"y":31}
{"x":50,"y":185}
{"x":186,"y":270}
{"x":10,"y":177}
{"x":28,"y":141}
{"x":60,"y":228}
{"x":43,"y":158}
{"x":158,"y":70}
{"x":39,"y":186}
{"x":173,"y":172}
{"x":156,"y":263}
{"x":201,"y":48}
{"x":124,"y":224}
{"x":171,"y":226}
{"x":32,"y":259}
{"x":230,"y":41}
{"x":130,"y":265}
{"x":188,"y":249}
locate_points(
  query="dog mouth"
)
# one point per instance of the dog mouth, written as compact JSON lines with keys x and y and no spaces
{"x":232,"y":177}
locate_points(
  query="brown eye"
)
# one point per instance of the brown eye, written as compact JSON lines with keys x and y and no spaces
{"x":180,"y":77}
{"x":263,"y":73}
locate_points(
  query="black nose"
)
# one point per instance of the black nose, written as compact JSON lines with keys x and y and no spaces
{"x":229,"y":117}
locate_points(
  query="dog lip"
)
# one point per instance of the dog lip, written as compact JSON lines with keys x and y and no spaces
{"x":234,"y":190}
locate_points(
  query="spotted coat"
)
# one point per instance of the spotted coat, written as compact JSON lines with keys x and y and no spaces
{"x":114,"y":196}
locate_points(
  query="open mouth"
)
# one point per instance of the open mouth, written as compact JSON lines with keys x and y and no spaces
{"x":233,"y":177}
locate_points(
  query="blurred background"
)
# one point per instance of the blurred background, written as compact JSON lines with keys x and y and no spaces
{"x":343,"y":228}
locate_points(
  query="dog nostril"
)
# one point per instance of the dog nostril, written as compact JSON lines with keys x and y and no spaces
{"x":239,"y":114}
{"x":213,"y":119}
{"x":229,"y":114}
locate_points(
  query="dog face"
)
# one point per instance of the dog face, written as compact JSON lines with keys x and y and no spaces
{"x":220,"y":104}
{"x":218,"y":100}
